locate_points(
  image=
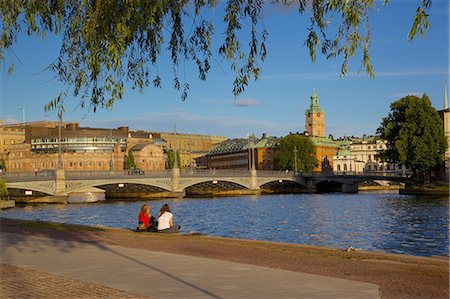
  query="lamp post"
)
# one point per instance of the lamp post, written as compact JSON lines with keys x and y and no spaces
{"x":111,"y":150}
{"x":22,"y":108}
{"x":190,"y":157}
{"x":295,"y":159}
{"x":175,"y":147}
{"x":60,"y":165}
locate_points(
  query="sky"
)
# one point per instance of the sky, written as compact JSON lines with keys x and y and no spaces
{"x":276,"y":103}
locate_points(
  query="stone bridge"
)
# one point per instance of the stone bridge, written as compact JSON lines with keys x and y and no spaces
{"x":176,"y":182}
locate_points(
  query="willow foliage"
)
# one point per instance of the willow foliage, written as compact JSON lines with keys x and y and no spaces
{"x":108,"y":42}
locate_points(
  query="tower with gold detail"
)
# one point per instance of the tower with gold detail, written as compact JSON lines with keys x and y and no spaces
{"x":314,"y":123}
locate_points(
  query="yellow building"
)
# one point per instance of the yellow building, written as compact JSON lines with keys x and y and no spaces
{"x":10,"y":134}
{"x":326,"y":149}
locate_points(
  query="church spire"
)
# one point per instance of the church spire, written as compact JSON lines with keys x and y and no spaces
{"x":314,"y":102}
{"x":445,"y":95}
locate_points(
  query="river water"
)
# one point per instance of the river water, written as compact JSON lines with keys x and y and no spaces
{"x":372,"y":222}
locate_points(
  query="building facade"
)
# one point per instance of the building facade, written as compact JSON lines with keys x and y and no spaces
{"x":360,"y":156}
{"x":82,"y":149}
{"x":326,"y":149}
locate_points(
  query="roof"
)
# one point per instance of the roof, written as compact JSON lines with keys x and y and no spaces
{"x":139,"y":147}
{"x":230,"y":146}
{"x":324,"y":141}
{"x":268,"y":142}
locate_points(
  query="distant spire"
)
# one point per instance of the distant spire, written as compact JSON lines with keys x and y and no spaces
{"x":314,"y":103}
{"x":445,"y":95}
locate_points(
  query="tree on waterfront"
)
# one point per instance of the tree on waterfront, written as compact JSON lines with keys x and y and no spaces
{"x":415,"y":136}
{"x":171,"y":159}
{"x":106,"y":43}
{"x":129,"y":163}
{"x":3,"y":190}
{"x":295,"y":148}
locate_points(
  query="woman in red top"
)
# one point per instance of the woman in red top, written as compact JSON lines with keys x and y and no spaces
{"x":145,"y":219}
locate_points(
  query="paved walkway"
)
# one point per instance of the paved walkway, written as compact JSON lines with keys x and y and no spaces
{"x":162,"y":275}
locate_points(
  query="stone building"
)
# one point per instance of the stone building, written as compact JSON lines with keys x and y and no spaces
{"x":82,"y":149}
{"x":149,"y":157}
{"x":14,"y":133}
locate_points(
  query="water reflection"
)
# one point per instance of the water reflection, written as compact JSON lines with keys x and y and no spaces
{"x":386,"y":222}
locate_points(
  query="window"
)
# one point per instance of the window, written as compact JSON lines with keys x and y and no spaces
{"x":339,"y":167}
{"x":71,"y":163}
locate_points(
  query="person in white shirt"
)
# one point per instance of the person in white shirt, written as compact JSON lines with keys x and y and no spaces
{"x":165,"y":221}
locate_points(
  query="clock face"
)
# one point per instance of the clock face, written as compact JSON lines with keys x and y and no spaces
{"x":318,"y":113}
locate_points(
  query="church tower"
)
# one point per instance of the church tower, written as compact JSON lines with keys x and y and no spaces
{"x":314,"y":120}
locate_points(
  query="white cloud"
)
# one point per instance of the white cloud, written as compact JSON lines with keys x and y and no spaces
{"x":10,"y":120}
{"x":245,"y":102}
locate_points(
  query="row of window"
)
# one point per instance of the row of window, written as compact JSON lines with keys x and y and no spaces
{"x":79,"y":140}
{"x":374,"y":147}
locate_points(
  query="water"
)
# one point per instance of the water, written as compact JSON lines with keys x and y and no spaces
{"x":372,"y":222}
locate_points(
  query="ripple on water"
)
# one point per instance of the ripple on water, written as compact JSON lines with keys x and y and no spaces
{"x":387,"y":222}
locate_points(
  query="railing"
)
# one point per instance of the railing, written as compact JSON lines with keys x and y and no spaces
{"x":28,"y":176}
{"x":80,"y":175}
{"x":384,"y":173}
{"x":167,"y":173}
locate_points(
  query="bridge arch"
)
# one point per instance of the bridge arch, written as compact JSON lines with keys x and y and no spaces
{"x":264,"y":181}
{"x":245,"y":183}
{"x":46,"y":187}
{"x":77,"y":186}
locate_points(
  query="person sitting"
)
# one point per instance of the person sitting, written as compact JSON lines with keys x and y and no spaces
{"x":146,"y":222}
{"x":165,"y":221}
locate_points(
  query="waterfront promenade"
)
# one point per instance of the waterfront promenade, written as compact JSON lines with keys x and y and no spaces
{"x":84,"y":262}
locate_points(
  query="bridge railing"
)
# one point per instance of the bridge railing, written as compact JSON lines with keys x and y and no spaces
{"x":384,"y":173}
{"x":80,"y":175}
{"x":26,"y":176}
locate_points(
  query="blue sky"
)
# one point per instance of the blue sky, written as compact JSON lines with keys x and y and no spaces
{"x":274,"y":104}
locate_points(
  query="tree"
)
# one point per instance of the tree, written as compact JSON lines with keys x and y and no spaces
{"x":414,"y":134}
{"x":105,"y":43}
{"x":171,"y":159}
{"x":129,"y":163}
{"x":284,"y":157}
{"x":3,"y":190}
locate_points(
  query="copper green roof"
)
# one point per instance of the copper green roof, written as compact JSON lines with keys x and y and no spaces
{"x":268,"y":142}
{"x":314,"y":103}
{"x":230,"y":146}
{"x":323,"y":141}
{"x":343,"y":152}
